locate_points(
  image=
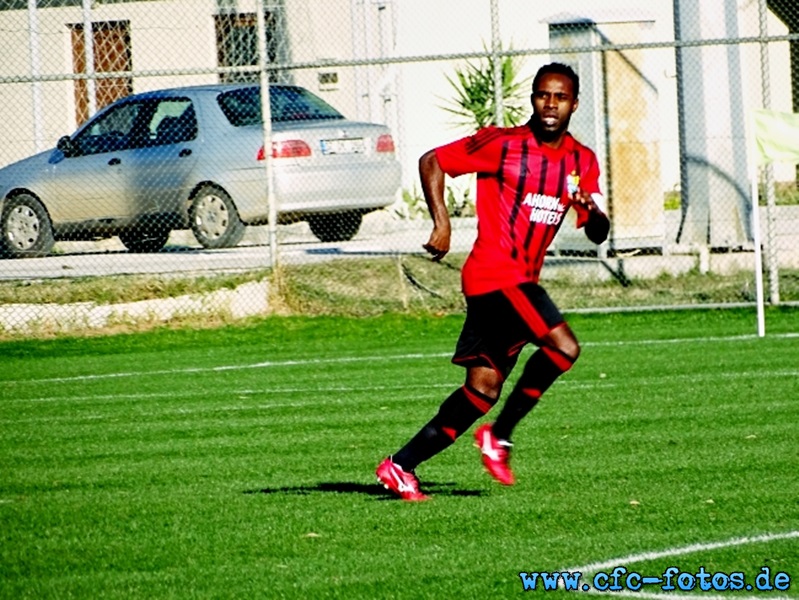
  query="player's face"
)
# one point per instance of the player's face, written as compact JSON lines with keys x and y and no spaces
{"x":553,"y":105}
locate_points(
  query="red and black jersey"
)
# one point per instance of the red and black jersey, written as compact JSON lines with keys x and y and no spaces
{"x":524,"y":189}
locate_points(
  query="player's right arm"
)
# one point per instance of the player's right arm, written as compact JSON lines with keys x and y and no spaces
{"x":432,"y":177}
{"x":477,"y":153}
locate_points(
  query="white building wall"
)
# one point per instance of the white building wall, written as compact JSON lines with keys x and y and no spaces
{"x":407,"y":96}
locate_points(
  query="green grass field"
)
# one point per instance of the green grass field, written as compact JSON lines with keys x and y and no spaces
{"x":239,"y":462}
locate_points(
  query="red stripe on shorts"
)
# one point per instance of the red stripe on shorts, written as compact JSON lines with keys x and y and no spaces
{"x":526,"y":311}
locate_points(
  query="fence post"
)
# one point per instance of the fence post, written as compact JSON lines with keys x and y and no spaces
{"x":754,"y":172}
{"x":88,"y":51}
{"x":36,"y":86}
{"x":496,"y":48}
{"x":266,"y":112}
{"x":771,"y":225}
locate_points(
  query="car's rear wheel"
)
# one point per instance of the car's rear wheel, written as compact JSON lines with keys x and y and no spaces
{"x":214,"y":218}
{"x":145,"y":238}
{"x":335,"y":227}
{"x":26,"y":228}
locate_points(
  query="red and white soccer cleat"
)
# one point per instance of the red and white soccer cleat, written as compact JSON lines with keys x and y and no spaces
{"x":496,"y":454}
{"x":402,"y":483}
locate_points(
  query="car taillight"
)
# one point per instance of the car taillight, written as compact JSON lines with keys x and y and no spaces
{"x":287,"y":149}
{"x":385,"y":143}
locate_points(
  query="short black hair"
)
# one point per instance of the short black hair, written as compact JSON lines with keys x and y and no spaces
{"x":556,"y":68}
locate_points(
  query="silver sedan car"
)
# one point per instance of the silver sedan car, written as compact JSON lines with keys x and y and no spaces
{"x":194,"y":158}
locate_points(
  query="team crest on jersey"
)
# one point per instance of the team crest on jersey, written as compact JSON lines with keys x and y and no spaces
{"x":573,"y":183}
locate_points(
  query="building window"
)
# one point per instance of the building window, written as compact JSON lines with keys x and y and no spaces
{"x":237,"y":45}
{"x":112,"y":53}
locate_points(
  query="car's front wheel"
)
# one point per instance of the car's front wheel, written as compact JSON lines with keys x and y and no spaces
{"x":335,"y":227}
{"x":26,"y":228}
{"x":214,"y":218}
{"x":145,"y":238}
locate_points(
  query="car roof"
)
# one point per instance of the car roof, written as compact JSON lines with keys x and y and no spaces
{"x":209,"y":88}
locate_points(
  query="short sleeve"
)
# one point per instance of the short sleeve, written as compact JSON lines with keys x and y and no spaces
{"x":478,"y":153}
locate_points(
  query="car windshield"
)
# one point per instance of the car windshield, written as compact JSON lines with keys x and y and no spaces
{"x":288,"y":103}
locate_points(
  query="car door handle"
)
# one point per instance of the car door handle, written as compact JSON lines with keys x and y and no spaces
{"x":114,"y":161}
{"x":185,"y":152}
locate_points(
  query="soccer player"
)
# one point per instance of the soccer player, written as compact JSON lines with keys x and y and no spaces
{"x":527,"y":179}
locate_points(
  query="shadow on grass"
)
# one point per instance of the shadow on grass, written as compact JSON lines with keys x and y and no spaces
{"x":373,"y":489}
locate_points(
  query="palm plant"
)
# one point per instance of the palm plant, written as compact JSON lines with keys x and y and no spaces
{"x":474,"y":103}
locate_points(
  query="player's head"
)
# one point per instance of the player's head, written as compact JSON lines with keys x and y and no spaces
{"x":554,"y":99}
{"x":558,"y":69}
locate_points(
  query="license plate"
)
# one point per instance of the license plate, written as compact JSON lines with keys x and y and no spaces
{"x":343,"y":146}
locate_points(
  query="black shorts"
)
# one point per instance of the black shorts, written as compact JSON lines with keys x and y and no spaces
{"x":499,"y":324}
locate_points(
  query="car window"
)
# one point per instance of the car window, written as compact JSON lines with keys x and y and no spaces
{"x":139,"y":124}
{"x":110,"y":131}
{"x":242,"y":107}
{"x":173,"y":121}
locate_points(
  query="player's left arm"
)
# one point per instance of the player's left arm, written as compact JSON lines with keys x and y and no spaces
{"x":591,"y":216}
{"x":589,"y":203}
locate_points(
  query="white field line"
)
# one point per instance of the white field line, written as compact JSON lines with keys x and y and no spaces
{"x":593,"y":568}
{"x":317,"y":389}
{"x":374,"y":358}
{"x":271,"y":391}
{"x":308,"y":362}
{"x":100,"y":400}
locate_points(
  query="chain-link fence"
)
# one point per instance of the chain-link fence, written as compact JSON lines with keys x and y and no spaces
{"x":152,"y":171}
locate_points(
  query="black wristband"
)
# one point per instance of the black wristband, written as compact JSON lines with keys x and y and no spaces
{"x":597,"y":227}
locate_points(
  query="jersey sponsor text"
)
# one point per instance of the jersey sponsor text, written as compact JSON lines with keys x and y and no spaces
{"x":546,"y":210}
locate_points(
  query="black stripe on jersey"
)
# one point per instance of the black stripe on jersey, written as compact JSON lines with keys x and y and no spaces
{"x":561,"y":179}
{"x":561,"y":182}
{"x":542,"y":191}
{"x":517,"y":202}
{"x":542,"y":180}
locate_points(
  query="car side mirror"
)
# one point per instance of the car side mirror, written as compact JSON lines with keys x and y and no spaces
{"x":66,"y":146}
